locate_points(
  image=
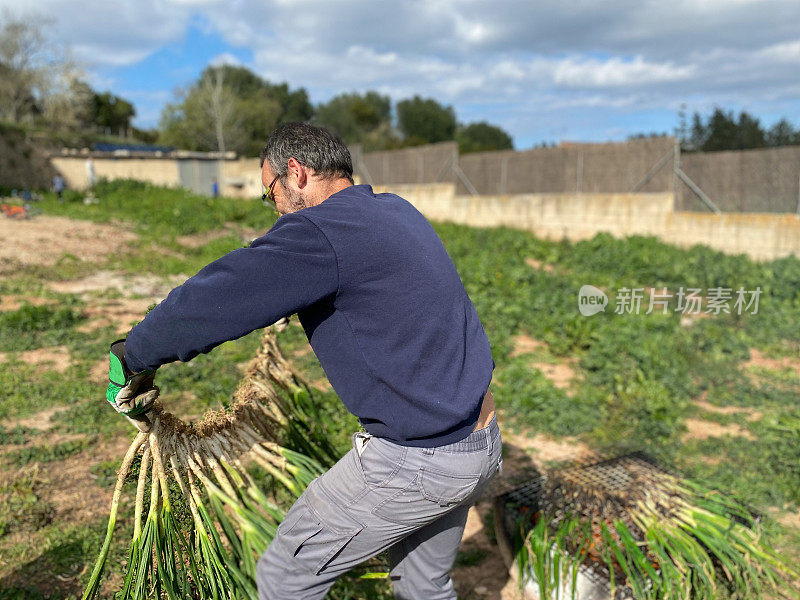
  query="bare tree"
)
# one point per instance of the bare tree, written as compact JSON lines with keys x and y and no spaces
{"x":219,"y":103}
{"x":23,"y":66}
{"x":38,"y":78}
{"x":66,"y":100}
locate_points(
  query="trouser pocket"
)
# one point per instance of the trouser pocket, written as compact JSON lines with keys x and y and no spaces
{"x":428,"y":496}
{"x":316,"y":529}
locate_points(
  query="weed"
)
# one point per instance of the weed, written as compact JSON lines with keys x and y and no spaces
{"x":470,"y":557}
{"x":16,"y":435}
{"x":35,"y":326}
{"x":43,"y":454}
{"x":21,"y":506}
{"x":105,"y":472}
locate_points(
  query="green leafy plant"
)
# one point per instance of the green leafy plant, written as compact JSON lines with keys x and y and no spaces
{"x":208,"y":519}
{"x":663,"y":537}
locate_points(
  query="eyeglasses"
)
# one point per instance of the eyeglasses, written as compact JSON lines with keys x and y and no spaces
{"x":270,"y":193}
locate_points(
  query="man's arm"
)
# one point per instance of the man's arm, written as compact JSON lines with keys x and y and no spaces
{"x":289,"y":268}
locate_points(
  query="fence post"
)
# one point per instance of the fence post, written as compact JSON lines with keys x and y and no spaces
{"x":365,"y":170}
{"x":696,"y":189}
{"x":504,"y":175}
{"x":798,"y":193}
{"x":676,"y":168}
{"x":465,"y":180}
{"x":580,"y":172}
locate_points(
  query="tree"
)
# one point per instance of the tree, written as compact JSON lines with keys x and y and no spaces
{"x":230,"y":108}
{"x":482,"y":137}
{"x":723,"y":131}
{"x":112,"y":114}
{"x":38,"y":80}
{"x":359,"y":119}
{"x":425,"y":121}
{"x":23,"y":67}
{"x":782,"y":134}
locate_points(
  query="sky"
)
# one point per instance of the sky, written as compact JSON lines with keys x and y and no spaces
{"x":543,"y":70}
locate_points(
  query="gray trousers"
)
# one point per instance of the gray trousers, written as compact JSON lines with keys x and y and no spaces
{"x":380,"y":496}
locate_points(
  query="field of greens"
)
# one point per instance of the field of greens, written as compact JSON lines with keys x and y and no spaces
{"x":714,"y":396}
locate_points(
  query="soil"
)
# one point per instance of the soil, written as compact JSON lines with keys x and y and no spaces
{"x":198,"y":240}
{"x":539,"y":265}
{"x":699,"y":429}
{"x":122,"y":313}
{"x":751,"y":413}
{"x":55,"y":357}
{"x":561,"y":373}
{"x":43,"y":240}
{"x":540,"y":449}
{"x":41,"y":420}
{"x":13,"y":302}
{"x":524,"y":344}
{"x":143,"y":286}
{"x":788,"y":518}
{"x":760,"y":361}
{"x":489,"y":578}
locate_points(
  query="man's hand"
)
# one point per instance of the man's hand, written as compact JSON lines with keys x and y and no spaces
{"x":131,"y":394}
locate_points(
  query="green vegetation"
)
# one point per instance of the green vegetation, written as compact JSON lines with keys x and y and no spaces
{"x":48,"y":453}
{"x":664,"y":538}
{"x":21,"y":505}
{"x":15,"y":435}
{"x":482,"y":137}
{"x":37,"y":326}
{"x":636,"y":376}
{"x":723,"y":131}
{"x":230,"y":108}
{"x":470,"y":558}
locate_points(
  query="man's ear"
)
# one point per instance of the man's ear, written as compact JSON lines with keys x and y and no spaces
{"x":299,"y":172}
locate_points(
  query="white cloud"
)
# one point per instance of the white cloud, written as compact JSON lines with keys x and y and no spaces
{"x":226,"y":58}
{"x":512,"y":62}
{"x":111,"y":33}
{"x":616,"y":72}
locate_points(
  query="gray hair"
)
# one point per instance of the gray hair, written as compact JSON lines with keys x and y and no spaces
{"x":312,"y":146}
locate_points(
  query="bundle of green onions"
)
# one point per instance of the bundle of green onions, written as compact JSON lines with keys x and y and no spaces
{"x":661,"y":536}
{"x":207,"y":519}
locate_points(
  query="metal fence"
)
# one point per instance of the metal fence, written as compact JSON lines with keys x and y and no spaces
{"x":766,"y":180}
{"x":612,"y":167}
{"x":421,"y":164}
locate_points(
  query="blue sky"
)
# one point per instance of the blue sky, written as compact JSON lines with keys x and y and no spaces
{"x":548,"y":70}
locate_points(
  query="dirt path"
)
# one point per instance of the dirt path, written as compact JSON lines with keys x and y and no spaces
{"x":43,"y":240}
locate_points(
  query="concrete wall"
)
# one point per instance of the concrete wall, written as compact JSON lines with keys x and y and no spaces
{"x":581,"y":216}
{"x":573,"y":216}
{"x":154,"y":170}
{"x":762,"y":236}
{"x":241,"y":178}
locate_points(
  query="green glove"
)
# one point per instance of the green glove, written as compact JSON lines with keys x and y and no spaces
{"x":131,"y":394}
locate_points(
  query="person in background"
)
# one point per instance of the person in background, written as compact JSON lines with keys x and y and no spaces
{"x":58,"y":187}
{"x":90,"y":174}
{"x":214,"y":187}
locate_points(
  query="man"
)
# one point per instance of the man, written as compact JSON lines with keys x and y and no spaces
{"x":59,"y":186}
{"x":399,"y":339}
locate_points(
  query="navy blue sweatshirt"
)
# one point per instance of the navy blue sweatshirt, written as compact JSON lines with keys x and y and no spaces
{"x":378,"y":297}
